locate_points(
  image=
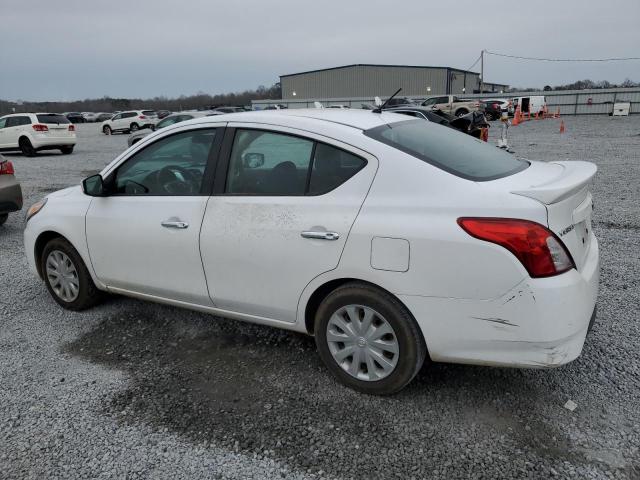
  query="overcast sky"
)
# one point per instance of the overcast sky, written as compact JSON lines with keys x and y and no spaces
{"x":75,"y":49}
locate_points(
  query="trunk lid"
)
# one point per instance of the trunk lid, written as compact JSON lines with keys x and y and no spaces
{"x":564,"y":189}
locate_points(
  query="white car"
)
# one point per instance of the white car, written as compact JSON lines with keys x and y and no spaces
{"x":33,"y":132}
{"x":130,"y":121}
{"x":386,"y":237}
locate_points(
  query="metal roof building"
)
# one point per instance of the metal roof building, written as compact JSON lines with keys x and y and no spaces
{"x":364,"y":80}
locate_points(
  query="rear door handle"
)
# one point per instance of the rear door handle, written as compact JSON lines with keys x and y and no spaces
{"x":321,"y":235}
{"x":174,"y":224}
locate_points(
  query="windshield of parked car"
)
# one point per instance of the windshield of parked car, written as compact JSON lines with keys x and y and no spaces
{"x":449,"y":150}
{"x":52,"y":118}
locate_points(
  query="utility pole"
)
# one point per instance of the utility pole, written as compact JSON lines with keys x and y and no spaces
{"x":481,"y":70}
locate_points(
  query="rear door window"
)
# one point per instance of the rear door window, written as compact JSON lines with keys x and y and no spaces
{"x":52,"y":118}
{"x":449,"y":150}
{"x":331,"y":168}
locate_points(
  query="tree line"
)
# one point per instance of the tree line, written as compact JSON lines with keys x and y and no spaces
{"x":586,"y":84}
{"x":107,"y":104}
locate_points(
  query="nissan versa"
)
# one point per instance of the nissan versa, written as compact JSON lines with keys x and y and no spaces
{"x":389,"y":239}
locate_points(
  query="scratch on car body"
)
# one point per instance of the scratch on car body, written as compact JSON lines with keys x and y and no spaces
{"x":501,"y":321}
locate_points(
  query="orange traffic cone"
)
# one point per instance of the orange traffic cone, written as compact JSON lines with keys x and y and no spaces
{"x":516,"y":118}
{"x":561,"y":126}
{"x":484,"y":134}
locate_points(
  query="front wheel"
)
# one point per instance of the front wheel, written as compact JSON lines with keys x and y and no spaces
{"x":67,"y":277}
{"x":462,"y":112}
{"x":134,"y":127}
{"x":368,"y":339}
{"x":26,"y":148}
{"x":3,"y":218}
{"x":67,"y":150}
{"x":106,"y":130}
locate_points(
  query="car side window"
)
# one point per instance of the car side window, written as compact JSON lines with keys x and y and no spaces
{"x":331,"y":168}
{"x":117,"y":117}
{"x":173,"y":165}
{"x":17,"y":121}
{"x":3,"y":122}
{"x":267,"y":163}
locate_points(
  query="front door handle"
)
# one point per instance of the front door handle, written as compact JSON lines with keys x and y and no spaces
{"x":174,"y":224}
{"x":321,"y":235}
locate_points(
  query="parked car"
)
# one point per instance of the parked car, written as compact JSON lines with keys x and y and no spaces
{"x":399,"y":101}
{"x":493,"y":107}
{"x":471,"y":124}
{"x":229,"y":109}
{"x":452,"y":104}
{"x":129,"y":121}
{"x":163,"y":113}
{"x":385,"y":237}
{"x":532,"y":104}
{"x":10,"y":191}
{"x":277,"y":106}
{"x":33,"y":132}
{"x":90,"y":117}
{"x":74,"y":117}
{"x":135,"y":137}
{"x":101,"y":117}
{"x":340,"y":106}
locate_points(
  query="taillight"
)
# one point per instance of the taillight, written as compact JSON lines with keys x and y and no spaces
{"x":537,"y":247}
{"x":142,"y":117}
{"x":6,"y":168}
{"x":72,"y":128}
{"x":38,"y":127}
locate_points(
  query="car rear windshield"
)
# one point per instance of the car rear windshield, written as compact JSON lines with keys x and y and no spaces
{"x":52,"y":118}
{"x":448,"y":149}
{"x":148,"y":112}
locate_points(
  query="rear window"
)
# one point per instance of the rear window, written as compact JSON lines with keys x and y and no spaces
{"x":52,"y":118}
{"x":449,"y":150}
{"x":148,"y":112}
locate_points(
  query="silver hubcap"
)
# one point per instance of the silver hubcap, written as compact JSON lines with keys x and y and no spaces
{"x":362,"y":342}
{"x":62,"y":276}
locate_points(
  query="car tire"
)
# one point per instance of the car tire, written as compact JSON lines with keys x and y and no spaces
{"x":66,"y":150}
{"x":26,"y":148}
{"x":379,"y":371}
{"x":3,"y":218}
{"x":461,"y":112}
{"x":106,"y":130}
{"x":76,"y":291}
{"x":134,"y":127}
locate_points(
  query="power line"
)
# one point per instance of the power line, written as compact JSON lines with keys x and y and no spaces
{"x":618,"y":59}
{"x":474,"y":63}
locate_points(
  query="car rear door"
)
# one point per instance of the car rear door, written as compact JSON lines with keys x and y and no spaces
{"x":284,"y":203}
{"x":144,"y":236}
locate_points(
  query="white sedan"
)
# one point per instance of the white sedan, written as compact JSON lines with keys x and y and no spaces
{"x":389,"y":239}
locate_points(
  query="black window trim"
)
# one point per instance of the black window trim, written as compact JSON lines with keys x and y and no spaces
{"x":206,"y":189}
{"x":373,"y":133}
{"x":220,"y":182}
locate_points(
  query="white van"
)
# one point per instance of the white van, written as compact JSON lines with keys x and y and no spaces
{"x":533,"y":104}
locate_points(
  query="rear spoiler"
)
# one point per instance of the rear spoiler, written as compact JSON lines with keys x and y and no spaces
{"x":574,"y":176}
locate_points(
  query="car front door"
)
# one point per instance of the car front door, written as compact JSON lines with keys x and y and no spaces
{"x":281,"y":218}
{"x":143,"y":237}
{"x":3,"y":132}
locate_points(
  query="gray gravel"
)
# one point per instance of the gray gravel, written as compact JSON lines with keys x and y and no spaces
{"x":137,"y":390}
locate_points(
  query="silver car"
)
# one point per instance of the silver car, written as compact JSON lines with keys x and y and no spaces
{"x":10,"y":191}
{"x":135,"y":137}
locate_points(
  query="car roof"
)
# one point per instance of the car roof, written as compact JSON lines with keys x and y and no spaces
{"x":359,"y":119}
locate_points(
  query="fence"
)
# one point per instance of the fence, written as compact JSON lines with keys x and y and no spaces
{"x":570,"y":102}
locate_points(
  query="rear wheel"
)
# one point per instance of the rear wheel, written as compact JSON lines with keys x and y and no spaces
{"x":106,"y":130}
{"x":368,"y":339}
{"x":3,"y":218}
{"x":67,"y":150}
{"x":67,"y":277}
{"x":26,"y":148}
{"x":134,"y":127}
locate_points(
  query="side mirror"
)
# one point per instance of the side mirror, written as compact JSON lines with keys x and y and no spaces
{"x":94,"y":186}
{"x":252,"y":160}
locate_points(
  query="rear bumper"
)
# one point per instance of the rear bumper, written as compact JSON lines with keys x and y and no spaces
{"x":538,"y":323}
{"x":43,"y":142}
{"x":10,"y":196}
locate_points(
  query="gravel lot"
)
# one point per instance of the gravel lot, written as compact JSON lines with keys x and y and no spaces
{"x":137,"y":390}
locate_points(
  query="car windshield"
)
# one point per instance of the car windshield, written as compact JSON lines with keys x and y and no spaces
{"x":449,"y":150}
{"x":52,"y":118}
